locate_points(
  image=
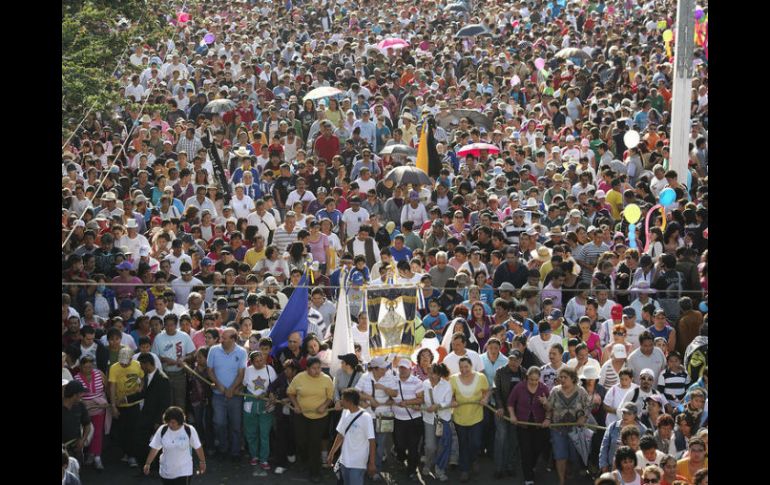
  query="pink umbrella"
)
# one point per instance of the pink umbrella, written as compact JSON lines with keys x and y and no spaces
{"x":476,"y":148}
{"x":393,"y":43}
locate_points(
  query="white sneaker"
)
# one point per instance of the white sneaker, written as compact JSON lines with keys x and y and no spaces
{"x":441,"y":475}
{"x":132,"y":462}
{"x":291,"y":458}
{"x":425,"y":472}
{"x":98,"y":463}
{"x":279,"y":470}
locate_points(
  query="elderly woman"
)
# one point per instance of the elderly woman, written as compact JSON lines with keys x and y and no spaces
{"x":526,"y":403}
{"x":567,"y":403}
{"x":95,"y":400}
{"x":425,"y":358}
{"x":470,"y":393}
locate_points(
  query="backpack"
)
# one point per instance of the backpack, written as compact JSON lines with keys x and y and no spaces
{"x":186,"y":429}
{"x":674,"y":287}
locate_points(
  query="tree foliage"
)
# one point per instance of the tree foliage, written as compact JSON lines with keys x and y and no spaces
{"x":93,"y":41}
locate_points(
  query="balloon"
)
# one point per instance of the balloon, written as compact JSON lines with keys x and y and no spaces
{"x":699,"y":13}
{"x":631,"y":138}
{"x":668,"y":35}
{"x":209,"y":39}
{"x":539,"y":63}
{"x":667,"y":196}
{"x":183,"y":17}
{"x":515,"y":80}
{"x":632,"y":213}
{"x":703,"y":307}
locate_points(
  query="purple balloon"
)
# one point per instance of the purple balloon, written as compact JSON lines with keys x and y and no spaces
{"x":209,"y":38}
{"x":699,"y":14}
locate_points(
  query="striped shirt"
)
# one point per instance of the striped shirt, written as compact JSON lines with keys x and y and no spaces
{"x":607,"y":375}
{"x":589,"y":253}
{"x":408,"y":389}
{"x":94,"y":387}
{"x":512,"y":233}
{"x":191,"y":147}
{"x":282,"y":239}
{"x":673,"y":385}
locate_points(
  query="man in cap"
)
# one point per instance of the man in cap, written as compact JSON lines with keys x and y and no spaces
{"x":611,"y":440}
{"x":125,"y":377}
{"x":408,"y":425}
{"x":647,"y":387}
{"x":377,"y":388}
{"x":633,"y":329}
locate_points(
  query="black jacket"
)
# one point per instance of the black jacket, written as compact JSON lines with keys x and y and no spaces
{"x":157,"y":398}
{"x":102,"y":355}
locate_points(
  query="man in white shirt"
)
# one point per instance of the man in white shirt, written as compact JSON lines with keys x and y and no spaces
{"x":365,"y":181}
{"x":202,"y":202}
{"x":241,"y":204}
{"x":177,"y":257}
{"x":173,"y":347}
{"x":377,"y":388}
{"x":133,"y":240}
{"x":183,"y":285}
{"x":414,"y":211}
{"x":541,"y":343}
{"x":582,"y":360}
{"x":633,"y":330}
{"x":452,"y":360}
{"x":300,"y":194}
{"x":646,"y":357}
{"x":360,"y":333}
{"x":353,"y":218}
{"x":263,"y":219}
{"x":408,"y":425}
{"x":356,"y":437}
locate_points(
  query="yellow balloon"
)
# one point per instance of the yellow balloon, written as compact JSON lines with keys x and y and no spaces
{"x":668,"y":35}
{"x":632,"y":213}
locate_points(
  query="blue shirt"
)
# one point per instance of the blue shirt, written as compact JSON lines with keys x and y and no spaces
{"x":226,"y":366}
{"x":335,"y":216}
{"x":436,"y":323}
{"x":405,"y":254}
{"x":490,"y":368}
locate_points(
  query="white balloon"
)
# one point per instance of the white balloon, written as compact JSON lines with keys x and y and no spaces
{"x":631,"y":138}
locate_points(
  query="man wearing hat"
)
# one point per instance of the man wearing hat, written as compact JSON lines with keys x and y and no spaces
{"x":633,"y":329}
{"x":378,"y":387}
{"x":611,"y":440}
{"x":76,"y":422}
{"x":125,"y":377}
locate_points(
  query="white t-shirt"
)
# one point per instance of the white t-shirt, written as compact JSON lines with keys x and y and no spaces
{"x":172,"y":347}
{"x":182,"y":289}
{"x":614,"y":398}
{"x":355,"y":446}
{"x":409,"y":389}
{"x":366,"y":383}
{"x":257,"y":381}
{"x":126,"y":340}
{"x":176,"y":262}
{"x":452,"y":361}
{"x":242,"y":207}
{"x":642,"y":462}
{"x":353,"y":220}
{"x":176,"y":459}
{"x":442,"y":394}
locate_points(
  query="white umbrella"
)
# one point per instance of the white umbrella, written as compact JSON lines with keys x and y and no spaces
{"x":322,"y":92}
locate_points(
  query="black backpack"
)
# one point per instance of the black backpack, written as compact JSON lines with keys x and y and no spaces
{"x":186,"y":429}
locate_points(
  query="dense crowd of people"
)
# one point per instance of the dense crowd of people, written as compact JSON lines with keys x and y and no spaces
{"x":560,"y":328}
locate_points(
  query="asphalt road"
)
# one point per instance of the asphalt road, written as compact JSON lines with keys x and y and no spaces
{"x":226,"y":473}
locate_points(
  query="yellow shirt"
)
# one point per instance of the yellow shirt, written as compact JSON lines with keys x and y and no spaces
{"x":253,"y":257}
{"x":470,"y":414}
{"x":683,"y":467}
{"x":127,"y":379}
{"x":311,"y":392}
{"x":615,"y":200}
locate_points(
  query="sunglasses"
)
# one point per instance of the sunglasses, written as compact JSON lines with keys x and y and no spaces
{"x":621,"y":334}
{"x":650,"y":480}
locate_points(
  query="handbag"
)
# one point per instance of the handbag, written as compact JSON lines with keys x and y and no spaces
{"x":438,"y":422}
{"x":96,"y":406}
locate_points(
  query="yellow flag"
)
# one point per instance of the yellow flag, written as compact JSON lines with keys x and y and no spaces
{"x":422,"y":149}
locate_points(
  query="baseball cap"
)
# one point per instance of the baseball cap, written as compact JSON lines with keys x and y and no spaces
{"x":124,"y":356}
{"x":378,"y":363}
{"x":206,"y":262}
{"x":555,"y":315}
{"x":619,"y":351}
{"x":647,"y":372}
{"x":629,"y":312}
{"x":629,"y":407}
{"x":405,"y":363}
{"x":616,"y":312}
{"x":349,"y":359}
{"x":515,"y":353}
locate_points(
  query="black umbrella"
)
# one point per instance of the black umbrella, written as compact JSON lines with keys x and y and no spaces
{"x":408,"y":175}
{"x":398,"y":149}
{"x":472,"y":31}
{"x":478,"y":118}
{"x":456,"y":7}
{"x":220,"y":106}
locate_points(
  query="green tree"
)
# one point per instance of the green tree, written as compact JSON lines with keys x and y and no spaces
{"x":93,"y":43}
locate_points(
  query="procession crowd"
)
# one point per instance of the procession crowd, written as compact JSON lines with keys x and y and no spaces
{"x":565,"y":316}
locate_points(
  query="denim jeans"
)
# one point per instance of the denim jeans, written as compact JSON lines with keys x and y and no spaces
{"x":227,"y":423}
{"x":352,"y":476}
{"x":204,"y":423}
{"x":381,"y":440}
{"x":469,"y":438}
{"x":437,"y":449}
{"x":507,"y":449}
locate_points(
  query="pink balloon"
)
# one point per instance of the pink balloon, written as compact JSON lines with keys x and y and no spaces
{"x":515,"y":80}
{"x":539,"y":63}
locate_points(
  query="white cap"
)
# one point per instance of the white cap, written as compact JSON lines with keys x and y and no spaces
{"x":619,"y":351}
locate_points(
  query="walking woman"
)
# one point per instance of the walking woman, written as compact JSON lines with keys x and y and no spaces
{"x":567,"y":403}
{"x":95,"y":400}
{"x":175,"y":438}
{"x":257,"y":413}
{"x":470,"y":393}
{"x":437,"y":394}
{"x":526,"y":403}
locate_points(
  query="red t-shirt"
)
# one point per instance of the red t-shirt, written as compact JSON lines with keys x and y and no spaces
{"x":327,"y":148}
